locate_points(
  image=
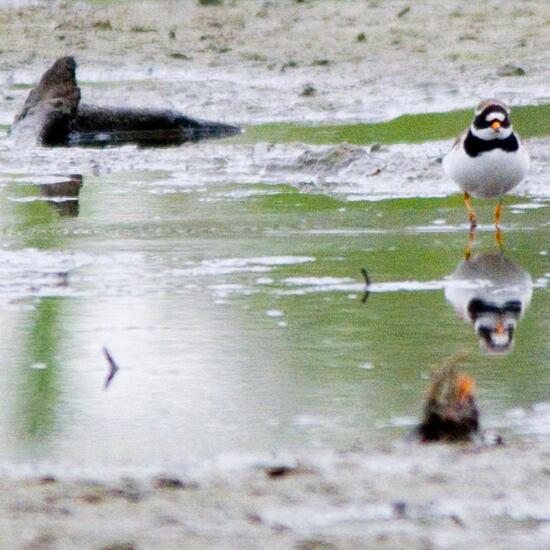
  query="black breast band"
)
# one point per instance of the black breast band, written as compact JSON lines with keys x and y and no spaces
{"x":475,"y":146}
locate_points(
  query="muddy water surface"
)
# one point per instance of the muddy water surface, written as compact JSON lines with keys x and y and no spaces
{"x":225,"y":280}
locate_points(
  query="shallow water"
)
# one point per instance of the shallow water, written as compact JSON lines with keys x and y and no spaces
{"x":225,"y":279}
{"x":235,"y":308}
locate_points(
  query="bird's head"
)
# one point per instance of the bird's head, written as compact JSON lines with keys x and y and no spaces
{"x":491,"y":120}
{"x":495,"y":324}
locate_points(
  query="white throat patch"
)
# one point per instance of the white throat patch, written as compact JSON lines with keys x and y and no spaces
{"x":488,"y":134}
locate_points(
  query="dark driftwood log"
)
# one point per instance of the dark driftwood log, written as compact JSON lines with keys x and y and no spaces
{"x":52,"y":115}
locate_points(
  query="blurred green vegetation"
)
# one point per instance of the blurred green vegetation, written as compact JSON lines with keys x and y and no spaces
{"x":530,"y":121}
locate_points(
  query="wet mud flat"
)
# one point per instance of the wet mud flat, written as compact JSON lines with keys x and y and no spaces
{"x":248,"y":62}
{"x":251,"y":61}
{"x":402,"y":496}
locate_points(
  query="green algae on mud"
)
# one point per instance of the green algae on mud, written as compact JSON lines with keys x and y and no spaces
{"x":530,"y":121}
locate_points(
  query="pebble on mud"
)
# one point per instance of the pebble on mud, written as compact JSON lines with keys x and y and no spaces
{"x":308,"y":90}
{"x":167,"y":482}
{"x":102,"y":25}
{"x":510,"y":70}
{"x":450,"y":412}
{"x":178,"y":55}
{"x":275,"y":472}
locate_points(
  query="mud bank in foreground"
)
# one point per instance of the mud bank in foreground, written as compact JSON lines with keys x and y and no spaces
{"x":406,"y":496}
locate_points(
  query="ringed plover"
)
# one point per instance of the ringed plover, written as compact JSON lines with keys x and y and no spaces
{"x":488,"y":159}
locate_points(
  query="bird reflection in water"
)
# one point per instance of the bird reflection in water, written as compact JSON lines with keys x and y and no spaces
{"x":492,"y":293}
{"x":63,"y":195}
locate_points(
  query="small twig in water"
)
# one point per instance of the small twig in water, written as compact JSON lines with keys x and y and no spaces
{"x":366,"y":294}
{"x":113,"y":368}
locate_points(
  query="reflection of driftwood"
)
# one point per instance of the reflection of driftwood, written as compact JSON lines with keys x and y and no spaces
{"x":450,"y":413}
{"x":53,"y":115}
{"x":113,"y":368}
{"x":64,"y":194}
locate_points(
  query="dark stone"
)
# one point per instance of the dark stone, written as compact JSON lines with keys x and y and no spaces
{"x":275,"y":472}
{"x":53,"y":116}
{"x":166,"y":482}
{"x":450,"y":412}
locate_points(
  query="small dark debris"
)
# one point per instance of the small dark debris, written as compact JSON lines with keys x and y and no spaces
{"x":375,"y":147}
{"x":400,"y":509}
{"x":210,"y":2}
{"x":291,"y":64}
{"x":113,"y":368}
{"x":102,"y":25}
{"x":91,"y":498}
{"x":178,"y":55}
{"x":309,"y":90}
{"x":366,"y":294}
{"x":254,"y":518}
{"x":510,"y":70}
{"x":467,"y":36}
{"x":279,"y":471}
{"x":131,"y":495}
{"x":404,"y":11}
{"x":361,"y":37}
{"x":218,"y":49}
{"x":172,"y":34}
{"x":167,"y":482}
{"x":321,"y":62}
{"x":456,"y":520}
{"x":139,"y":28}
{"x":47,"y":480}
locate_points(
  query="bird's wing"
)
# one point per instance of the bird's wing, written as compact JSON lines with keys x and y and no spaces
{"x":459,"y":139}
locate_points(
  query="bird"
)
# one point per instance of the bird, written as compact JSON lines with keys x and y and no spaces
{"x":488,"y":158}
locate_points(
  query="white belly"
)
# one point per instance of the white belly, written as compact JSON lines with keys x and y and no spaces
{"x":488,"y":175}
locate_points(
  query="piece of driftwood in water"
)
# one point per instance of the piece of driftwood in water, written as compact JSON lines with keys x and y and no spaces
{"x":450,"y":412}
{"x":53,"y":115}
{"x":50,"y":107}
{"x":99,"y":126}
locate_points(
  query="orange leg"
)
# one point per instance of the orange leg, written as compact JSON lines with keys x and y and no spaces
{"x":498,"y":232}
{"x":471,"y":214}
{"x":470,"y":245}
{"x":498,"y":213}
{"x":498,"y":237}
